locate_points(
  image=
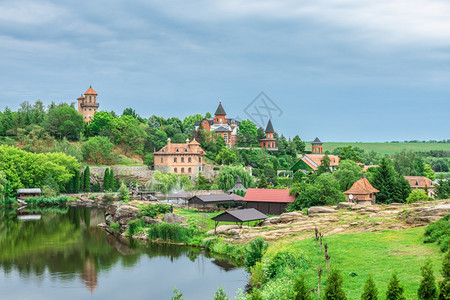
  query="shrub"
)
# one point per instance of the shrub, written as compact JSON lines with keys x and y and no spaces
{"x":300,"y":289}
{"x":370,"y":290}
{"x":46,"y":200}
{"x":416,"y":196}
{"x":124,"y":193}
{"x":254,"y":252}
{"x":427,"y":289}
{"x":8,"y":202}
{"x":221,"y":295}
{"x":334,"y":290}
{"x":439,"y":232}
{"x":114,"y":226}
{"x":134,"y":226}
{"x":394,"y":289}
{"x":177,"y":294}
{"x":153,"y":210}
{"x":282,"y":260}
{"x":444,"y":285}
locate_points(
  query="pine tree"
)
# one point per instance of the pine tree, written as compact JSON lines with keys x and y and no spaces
{"x":427,"y":289}
{"x":262,"y":183}
{"x":300,"y":289}
{"x":106,"y":180}
{"x":112,"y":181}
{"x":370,"y":290}
{"x":81,"y":181}
{"x":334,"y":290}
{"x":384,"y":180}
{"x":394,"y":289}
{"x":444,"y":285}
{"x":87,"y":179}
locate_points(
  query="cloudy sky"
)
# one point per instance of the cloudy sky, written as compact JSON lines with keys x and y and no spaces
{"x":352,"y":70}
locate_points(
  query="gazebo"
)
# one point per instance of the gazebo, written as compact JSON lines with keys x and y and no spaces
{"x":361,"y":192}
{"x":25,"y":193}
{"x":238,"y":216}
{"x":238,"y":186}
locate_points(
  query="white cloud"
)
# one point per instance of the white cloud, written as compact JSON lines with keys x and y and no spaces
{"x":30,"y":12}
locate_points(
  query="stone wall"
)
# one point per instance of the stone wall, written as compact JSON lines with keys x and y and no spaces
{"x":139,"y":174}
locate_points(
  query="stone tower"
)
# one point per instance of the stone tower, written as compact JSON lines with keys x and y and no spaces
{"x":87,"y":104}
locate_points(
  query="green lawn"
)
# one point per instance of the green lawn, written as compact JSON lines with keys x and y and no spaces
{"x":386,"y":148}
{"x":375,"y":253}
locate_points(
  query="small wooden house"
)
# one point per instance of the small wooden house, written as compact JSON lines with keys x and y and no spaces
{"x":268,"y":201}
{"x":362,"y":192}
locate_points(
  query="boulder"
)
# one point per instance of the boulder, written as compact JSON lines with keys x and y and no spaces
{"x":274,"y":220}
{"x":436,"y":211}
{"x":345,"y":205}
{"x":108,"y":219}
{"x":149,"y":220}
{"x":126,"y":211}
{"x":290,"y":217}
{"x":141,"y":236}
{"x":223,"y":229}
{"x":318,"y":210}
{"x":174,"y":219}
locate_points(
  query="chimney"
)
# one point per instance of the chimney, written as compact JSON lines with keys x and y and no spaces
{"x":168,"y":145}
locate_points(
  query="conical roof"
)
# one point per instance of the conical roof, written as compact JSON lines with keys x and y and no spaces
{"x":90,"y":91}
{"x":220,"y":110}
{"x":361,"y":187}
{"x":269,"y":128}
{"x":316,"y":141}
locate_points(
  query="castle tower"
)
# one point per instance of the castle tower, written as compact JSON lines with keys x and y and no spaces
{"x":269,"y":142}
{"x":316,"y":146}
{"x":87,"y":104}
{"x":220,"y":115}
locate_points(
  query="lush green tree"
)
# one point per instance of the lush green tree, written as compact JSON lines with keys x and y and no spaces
{"x":129,"y":134}
{"x":166,"y":182}
{"x":299,"y":144}
{"x":324,"y":165}
{"x":64,"y":121}
{"x":124,"y":192}
{"x":349,"y":171}
{"x":202,"y":183}
{"x":155,"y":139}
{"x":154,"y":122}
{"x":106,"y":185}
{"x":226,"y":156}
{"x":403,"y":163}
{"x":442,"y":190}
{"x":348,"y":152}
{"x":189,"y":122}
{"x":35,"y":139}
{"x":392,"y":186}
{"x":247,"y":134}
{"x":417,"y":196}
{"x":102,"y":124}
{"x":394,"y":289}
{"x":370,"y":290}
{"x":8,"y":121}
{"x":254,"y":252}
{"x":3,"y":185}
{"x":440,"y":165}
{"x":427,"y":289}
{"x":262,"y":182}
{"x":98,"y":150}
{"x":130,"y":112}
{"x":301,"y":290}
{"x":334,"y":290}
{"x":87,"y":179}
{"x":444,"y":285}
{"x":67,"y":148}
{"x":228,"y":175}
{"x":428,"y":172}
{"x":149,"y":160}
{"x":370,"y":158}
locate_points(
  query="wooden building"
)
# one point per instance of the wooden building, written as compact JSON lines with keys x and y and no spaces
{"x":362,"y":192}
{"x":268,"y":201}
{"x":25,"y":193}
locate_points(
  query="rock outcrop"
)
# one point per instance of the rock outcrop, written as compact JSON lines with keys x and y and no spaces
{"x":174,"y":219}
{"x":319,"y":210}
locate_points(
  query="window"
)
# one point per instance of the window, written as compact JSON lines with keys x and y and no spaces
{"x":225,"y":137}
{"x":185,"y":149}
{"x":189,"y":159}
{"x":189,"y":170}
{"x":182,"y":170}
{"x":182,"y":159}
{"x":174,"y":159}
{"x":177,"y":150}
{"x":199,"y":159}
{"x":90,"y":98}
{"x":175,"y":170}
{"x":162,"y":159}
{"x":205,"y":123}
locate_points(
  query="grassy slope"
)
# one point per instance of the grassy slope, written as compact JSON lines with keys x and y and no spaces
{"x":387,"y":148}
{"x":375,"y":253}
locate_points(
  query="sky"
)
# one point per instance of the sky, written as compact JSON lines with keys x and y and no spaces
{"x":341,"y":70}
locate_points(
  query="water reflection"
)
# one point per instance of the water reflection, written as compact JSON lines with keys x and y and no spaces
{"x":64,"y":248}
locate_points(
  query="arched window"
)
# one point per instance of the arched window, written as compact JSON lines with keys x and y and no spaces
{"x":175,"y":170}
{"x":182,"y":170}
{"x":189,"y":159}
{"x":185,"y":149}
{"x":182,"y":159}
{"x":189,"y":170}
{"x":174,"y":159}
{"x":177,"y":150}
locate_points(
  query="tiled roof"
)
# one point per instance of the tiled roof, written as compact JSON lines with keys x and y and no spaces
{"x":90,"y":91}
{"x":316,"y":141}
{"x":220,"y":110}
{"x":269,"y":195}
{"x":222,"y":129}
{"x":313,"y":160}
{"x":419,"y":181}
{"x":269,"y":128}
{"x":187,"y":148}
{"x":361,"y":187}
{"x":240,"y":215}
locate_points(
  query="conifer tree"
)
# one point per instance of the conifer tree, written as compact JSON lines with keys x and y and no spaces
{"x":87,"y":179}
{"x":370,"y":290}
{"x":262,"y":183}
{"x":81,"y":179}
{"x":77,"y":182}
{"x":106,"y":180}
{"x":444,"y":285}
{"x":112,"y":180}
{"x":394,"y":289}
{"x":334,"y":290}
{"x":427,"y":289}
{"x":300,"y":289}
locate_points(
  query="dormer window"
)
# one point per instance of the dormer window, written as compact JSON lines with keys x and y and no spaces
{"x":185,"y":149}
{"x":177,"y":150}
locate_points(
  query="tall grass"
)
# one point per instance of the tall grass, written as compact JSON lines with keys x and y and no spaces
{"x":439,"y":232}
{"x":171,"y":232}
{"x":46,"y":200}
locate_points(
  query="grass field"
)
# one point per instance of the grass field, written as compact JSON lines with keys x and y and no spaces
{"x":387,"y":148}
{"x":376,"y":253}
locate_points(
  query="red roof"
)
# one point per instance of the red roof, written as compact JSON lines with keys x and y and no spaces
{"x":90,"y":91}
{"x":269,"y":195}
{"x":361,"y":187}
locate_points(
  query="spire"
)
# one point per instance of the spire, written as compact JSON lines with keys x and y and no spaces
{"x":269,"y":128}
{"x":220,"y":110}
{"x":90,"y":91}
{"x":238,"y":181}
{"x":363,"y":175}
{"x":316,"y":141}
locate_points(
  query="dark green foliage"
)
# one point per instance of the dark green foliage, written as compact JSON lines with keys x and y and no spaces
{"x":324,"y":165}
{"x":134,"y":226}
{"x":81,"y":180}
{"x":392,"y":186}
{"x":64,"y":121}
{"x":153,"y":210}
{"x":262,"y":183}
{"x":427,"y":289}
{"x":148,"y":160}
{"x":106,"y":180}
{"x":439,"y":232}
{"x":254,"y":252}
{"x":170,"y":232}
{"x":394,"y":289}
{"x":301,"y":290}
{"x":282,"y":260}
{"x":444,"y":285}
{"x":443,"y":189}
{"x":87,"y":179}
{"x":255,"y":295}
{"x":370,"y":290}
{"x":46,"y":200}
{"x":220,"y":295}
{"x":177,"y":294}
{"x":333,"y":290}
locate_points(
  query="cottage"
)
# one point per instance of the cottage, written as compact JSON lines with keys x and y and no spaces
{"x":313,"y":160}
{"x":362,"y":192}
{"x":25,"y":193}
{"x":268,"y":201}
{"x":421,"y":183}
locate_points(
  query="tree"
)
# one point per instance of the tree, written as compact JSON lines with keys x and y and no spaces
{"x":228,"y":175}
{"x":123,"y":191}
{"x":189,"y":122}
{"x":392,"y":186}
{"x":348,"y":152}
{"x":247,"y":134}
{"x":102,"y":124}
{"x":130,"y":112}
{"x":324,"y":165}
{"x":106,"y":184}
{"x":64,"y":121}
{"x":394,"y":289}
{"x":262,"y":183}
{"x":428,"y":172}
{"x":226,"y":156}
{"x":97,"y":150}
{"x":334,"y":290}
{"x":254,"y":252}
{"x":149,"y":160}
{"x":444,"y":285}
{"x":427,"y":289}
{"x":3,"y":185}
{"x":130,"y":134}
{"x":370,"y":290}
{"x":87,"y":179}
{"x":349,"y":171}
{"x":403,"y":163}
{"x":417,"y":196}
{"x":301,"y":290}
{"x":299,"y":145}
{"x":443,"y":189}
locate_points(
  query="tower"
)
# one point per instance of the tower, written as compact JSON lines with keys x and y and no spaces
{"x":87,"y":104}
{"x":220,"y":115}
{"x":316,"y":146}
{"x":269,"y":142}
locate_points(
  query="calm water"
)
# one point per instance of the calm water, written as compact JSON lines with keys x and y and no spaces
{"x":61,"y":254}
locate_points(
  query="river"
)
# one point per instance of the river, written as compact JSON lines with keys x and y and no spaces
{"x":59,"y":253}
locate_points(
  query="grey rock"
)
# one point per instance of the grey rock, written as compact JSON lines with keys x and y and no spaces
{"x":149,"y":220}
{"x":318,"y":210}
{"x":345,"y":205}
{"x":174,"y":218}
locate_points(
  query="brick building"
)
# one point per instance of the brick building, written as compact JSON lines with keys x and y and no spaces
{"x":180,"y":158}
{"x":269,"y":143}
{"x":87,"y":104}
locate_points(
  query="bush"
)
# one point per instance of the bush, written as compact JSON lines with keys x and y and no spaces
{"x":254,"y":252}
{"x":124,"y":193}
{"x":114,"y":226}
{"x":8,"y":202}
{"x":394,"y":289}
{"x":439,"y":232}
{"x":370,"y":290}
{"x":46,"y":200}
{"x":170,"y":232}
{"x":301,"y":290}
{"x":334,"y":290}
{"x":444,"y":285}
{"x":416,"y":196}
{"x":134,"y":226}
{"x":221,"y":295}
{"x":153,"y":210}
{"x":427,"y":289}
{"x":282,"y":260}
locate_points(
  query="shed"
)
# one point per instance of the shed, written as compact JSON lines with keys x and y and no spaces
{"x":212,"y":199}
{"x":268,"y":201}
{"x":25,"y":193}
{"x":239,"y":216}
{"x":362,"y":192}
